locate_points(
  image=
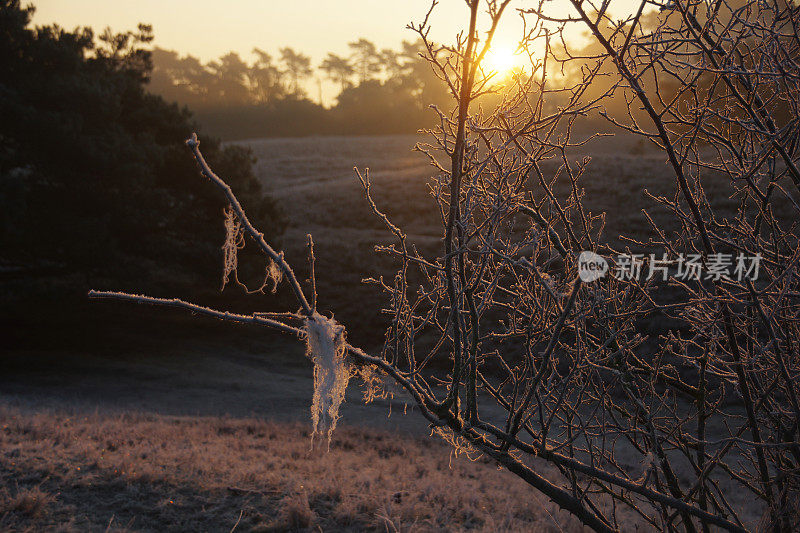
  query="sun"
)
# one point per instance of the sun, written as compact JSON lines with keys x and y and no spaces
{"x":500,"y":60}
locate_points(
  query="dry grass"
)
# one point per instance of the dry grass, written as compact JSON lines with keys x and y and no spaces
{"x":156,"y":473}
{"x":29,"y":502}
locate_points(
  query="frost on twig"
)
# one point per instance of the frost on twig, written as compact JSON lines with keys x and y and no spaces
{"x":274,"y":274}
{"x":326,"y":346}
{"x":234,"y":241}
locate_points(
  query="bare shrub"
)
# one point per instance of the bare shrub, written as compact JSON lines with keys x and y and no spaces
{"x":508,"y":353}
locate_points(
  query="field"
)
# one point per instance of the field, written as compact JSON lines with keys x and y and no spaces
{"x":144,"y":472}
{"x":161,"y":421}
{"x":180,"y":434}
{"x":315,"y":183}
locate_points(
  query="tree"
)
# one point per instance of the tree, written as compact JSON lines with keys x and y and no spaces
{"x":298,"y":67}
{"x":265,"y":78}
{"x":241,"y":100}
{"x":391,"y":60}
{"x":180,"y":79}
{"x":93,"y":179}
{"x":419,"y":79}
{"x":365,"y":59}
{"x":338,"y":69}
{"x":230,"y":79}
{"x":123,"y":50}
{"x":510,"y":315}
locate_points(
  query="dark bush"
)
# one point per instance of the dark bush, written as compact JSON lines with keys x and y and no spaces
{"x":97,"y":185}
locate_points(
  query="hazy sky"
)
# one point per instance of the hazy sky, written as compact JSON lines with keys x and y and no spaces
{"x":210,"y":28}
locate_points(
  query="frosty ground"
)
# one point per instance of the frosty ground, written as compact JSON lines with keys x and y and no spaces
{"x":150,"y":420}
{"x":201,"y":437}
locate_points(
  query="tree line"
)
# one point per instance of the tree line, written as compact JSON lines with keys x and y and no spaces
{"x":380,"y":90}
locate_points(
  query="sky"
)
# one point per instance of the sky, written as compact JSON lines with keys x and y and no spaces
{"x":210,"y":28}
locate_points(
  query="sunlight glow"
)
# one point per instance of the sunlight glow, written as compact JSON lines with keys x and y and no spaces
{"x":500,"y":60}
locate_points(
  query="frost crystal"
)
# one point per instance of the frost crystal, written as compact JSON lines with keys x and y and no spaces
{"x":234,"y":241}
{"x":325,"y":345}
{"x":274,"y":274}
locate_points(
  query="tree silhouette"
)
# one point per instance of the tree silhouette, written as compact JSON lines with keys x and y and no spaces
{"x":298,"y":67}
{"x":338,"y":69}
{"x":231,"y":78}
{"x":122,"y":50}
{"x":418,"y":78}
{"x":393,"y":64}
{"x":181,"y":79}
{"x":252,"y":99}
{"x":265,"y":78}
{"x":366,"y":59}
